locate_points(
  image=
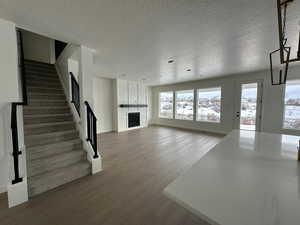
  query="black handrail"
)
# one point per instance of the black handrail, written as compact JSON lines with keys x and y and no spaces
{"x":15,"y":141}
{"x":22,"y":69}
{"x":14,"y":120}
{"x":92,"y":129}
{"x":75,"y":93}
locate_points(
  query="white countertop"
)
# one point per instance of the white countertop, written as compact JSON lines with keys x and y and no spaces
{"x":249,"y":178}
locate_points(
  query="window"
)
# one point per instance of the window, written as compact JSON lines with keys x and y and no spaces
{"x":209,"y":105}
{"x":185,"y":105}
{"x":166,"y":105}
{"x":292,"y":105}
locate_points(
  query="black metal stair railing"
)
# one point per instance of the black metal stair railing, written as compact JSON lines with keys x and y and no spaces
{"x":15,"y":141}
{"x":75,"y":93}
{"x":14,"y":118}
{"x":92,"y":129}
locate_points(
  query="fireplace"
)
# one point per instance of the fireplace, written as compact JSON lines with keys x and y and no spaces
{"x":133,"y":119}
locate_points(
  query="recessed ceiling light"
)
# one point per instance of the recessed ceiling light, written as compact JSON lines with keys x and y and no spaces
{"x":171,"y":61}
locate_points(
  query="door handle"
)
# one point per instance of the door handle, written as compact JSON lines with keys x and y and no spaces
{"x":237,"y":114}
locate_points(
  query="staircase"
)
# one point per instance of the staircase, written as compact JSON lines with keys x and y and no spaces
{"x":55,"y":154}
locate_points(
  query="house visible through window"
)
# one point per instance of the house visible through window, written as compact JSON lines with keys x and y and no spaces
{"x":209,"y":105}
{"x":166,"y":105}
{"x":292,"y":105}
{"x":185,"y":105}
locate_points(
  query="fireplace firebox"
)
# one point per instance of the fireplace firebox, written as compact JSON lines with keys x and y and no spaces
{"x":134,"y":119}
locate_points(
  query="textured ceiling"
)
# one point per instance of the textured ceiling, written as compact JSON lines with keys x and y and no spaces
{"x":138,"y":37}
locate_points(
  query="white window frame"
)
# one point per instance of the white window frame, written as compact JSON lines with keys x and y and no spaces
{"x":159,"y":104}
{"x":197,"y":105}
{"x":175,"y":107}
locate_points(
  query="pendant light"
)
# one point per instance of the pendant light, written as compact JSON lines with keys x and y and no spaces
{"x":279,"y":74}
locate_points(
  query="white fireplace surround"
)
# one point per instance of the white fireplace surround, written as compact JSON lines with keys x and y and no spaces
{"x":130,"y":93}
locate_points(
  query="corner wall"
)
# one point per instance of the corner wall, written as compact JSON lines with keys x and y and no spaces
{"x":9,"y":92}
{"x":273,"y":103}
{"x":63,"y":66}
{"x":38,"y":48}
{"x":103,"y":103}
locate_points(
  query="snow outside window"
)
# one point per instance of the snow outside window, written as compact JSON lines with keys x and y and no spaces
{"x":184,"y":105}
{"x":292,"y":105}
{"x":166,"y":105}
{"x":209,"y":105}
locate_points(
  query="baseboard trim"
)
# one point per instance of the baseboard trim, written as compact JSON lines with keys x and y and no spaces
{"x":106,"y":132}
{"x":220,"y":133}
{"x":131,"y":129}
{"x":3,"y":197}
{"x":3,"y":189}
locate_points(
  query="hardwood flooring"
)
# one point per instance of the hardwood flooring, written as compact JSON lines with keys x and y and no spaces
{"x":137,"y":165}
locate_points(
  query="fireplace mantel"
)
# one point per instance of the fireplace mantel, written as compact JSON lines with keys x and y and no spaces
{"x":133,"y":106}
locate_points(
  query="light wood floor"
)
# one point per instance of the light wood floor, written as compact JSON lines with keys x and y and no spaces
{"x":138,"y":165}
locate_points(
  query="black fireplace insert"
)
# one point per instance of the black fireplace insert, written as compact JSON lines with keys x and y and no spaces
{"x":133,"y":119}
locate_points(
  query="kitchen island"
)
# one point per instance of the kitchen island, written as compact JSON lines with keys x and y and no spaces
{"x":249,"y":178}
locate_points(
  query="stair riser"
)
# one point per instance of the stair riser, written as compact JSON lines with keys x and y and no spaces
{"x":47,"y":103}
{"x":42,"y":78}
{"x":34,"y":90}
{"x":43,"y":84}
{"x":42,"y":72}
{"x":43,"y":166}
{"x":46,"y":75}
{"x":49,"y":129}
{"x":36,"y":141}
{"x":46,"y":150}
{"x":37,"y":64}
{"x":45,"y":97}
{"x":44,"y":110}
{"x":39,"y":67}
{"x":35,"y":189}
{"x":38,"y":120}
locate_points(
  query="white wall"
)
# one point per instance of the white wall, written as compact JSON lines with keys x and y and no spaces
{"x":9,"y":92}
{"x":73,"y":66}
{"x":272,"y":112}
{"x":103,"y":104}
{"x":79,"y":59}
{"x":85,"y":80}
{"x":130,"y":92}
{"x":38,"y":48}
{"x":3,"y":151}
{"x":67,"y":62}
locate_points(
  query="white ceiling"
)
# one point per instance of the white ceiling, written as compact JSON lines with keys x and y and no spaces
{"x":138,"y":37}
